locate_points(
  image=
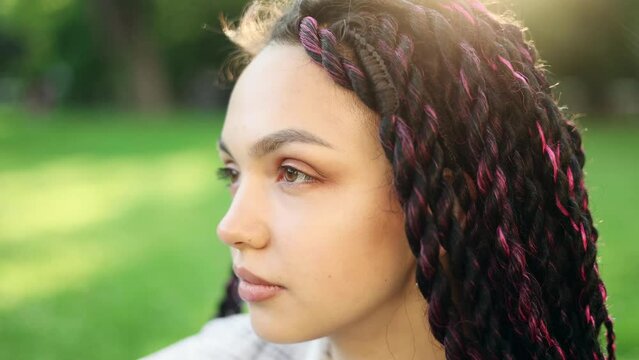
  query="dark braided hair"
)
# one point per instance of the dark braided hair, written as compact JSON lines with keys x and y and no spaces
{"x":485,"y":164}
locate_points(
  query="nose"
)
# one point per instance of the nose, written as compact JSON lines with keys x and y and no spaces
{"x":244,"y":224}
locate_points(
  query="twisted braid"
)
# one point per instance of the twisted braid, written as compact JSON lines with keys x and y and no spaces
{"x":418,"y":166}
{"x":485,"y":166}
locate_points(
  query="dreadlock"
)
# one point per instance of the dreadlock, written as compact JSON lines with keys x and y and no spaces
{"x":485,"y":164}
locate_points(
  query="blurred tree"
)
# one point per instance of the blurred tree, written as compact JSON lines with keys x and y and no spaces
{"x":132,"y":51}
{"x":32,"y":24}
{"x":589,"y":40}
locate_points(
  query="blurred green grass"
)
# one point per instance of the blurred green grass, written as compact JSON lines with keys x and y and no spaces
{"x":107,"y":230}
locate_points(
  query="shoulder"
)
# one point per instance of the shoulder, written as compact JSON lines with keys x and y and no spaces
{"x":231,"y":338}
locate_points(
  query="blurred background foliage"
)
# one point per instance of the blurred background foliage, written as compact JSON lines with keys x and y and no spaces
{"x":136,"y":54}
{"x":109,"y":112}
{"x":150,"y":54}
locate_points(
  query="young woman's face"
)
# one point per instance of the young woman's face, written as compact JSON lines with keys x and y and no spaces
{"x":313,"y":211}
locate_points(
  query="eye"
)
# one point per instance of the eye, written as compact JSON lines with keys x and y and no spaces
{"x":228,"y":174}
{"x":291,"y":174}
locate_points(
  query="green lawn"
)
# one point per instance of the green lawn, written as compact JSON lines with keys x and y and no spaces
{"x":107,"y":231}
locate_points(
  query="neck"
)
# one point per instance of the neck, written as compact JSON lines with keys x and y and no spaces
{"x":400,"y":331}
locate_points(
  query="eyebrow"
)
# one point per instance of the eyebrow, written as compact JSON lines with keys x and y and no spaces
{"x":274,"y":141}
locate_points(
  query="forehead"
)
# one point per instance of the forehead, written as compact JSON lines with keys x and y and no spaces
{"x":282,"y":88}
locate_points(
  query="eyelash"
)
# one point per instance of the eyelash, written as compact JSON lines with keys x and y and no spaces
{"x":228,"y":174}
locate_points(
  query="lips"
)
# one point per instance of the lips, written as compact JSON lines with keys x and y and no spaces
{"x":253,"y":288}
{"x":251,"y":278}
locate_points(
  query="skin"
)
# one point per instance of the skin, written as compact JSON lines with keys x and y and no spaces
{"x":332,"y":232}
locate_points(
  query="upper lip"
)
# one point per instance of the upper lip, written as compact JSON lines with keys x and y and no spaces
{"x":249,"y":277}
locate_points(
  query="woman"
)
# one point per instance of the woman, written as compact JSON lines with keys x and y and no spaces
{"x":404,"y":186}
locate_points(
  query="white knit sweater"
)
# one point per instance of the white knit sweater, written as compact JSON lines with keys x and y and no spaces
{"x":233,"y":338}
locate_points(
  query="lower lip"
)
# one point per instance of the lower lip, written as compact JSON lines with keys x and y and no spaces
{"x":253,"y":293}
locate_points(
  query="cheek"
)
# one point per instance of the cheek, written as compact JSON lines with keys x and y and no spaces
{"x":344,"y":251}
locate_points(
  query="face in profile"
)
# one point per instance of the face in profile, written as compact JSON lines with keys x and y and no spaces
{"x":313,"y":209}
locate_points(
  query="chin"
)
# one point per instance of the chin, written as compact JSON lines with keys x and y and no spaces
{"x":277,"y":330}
